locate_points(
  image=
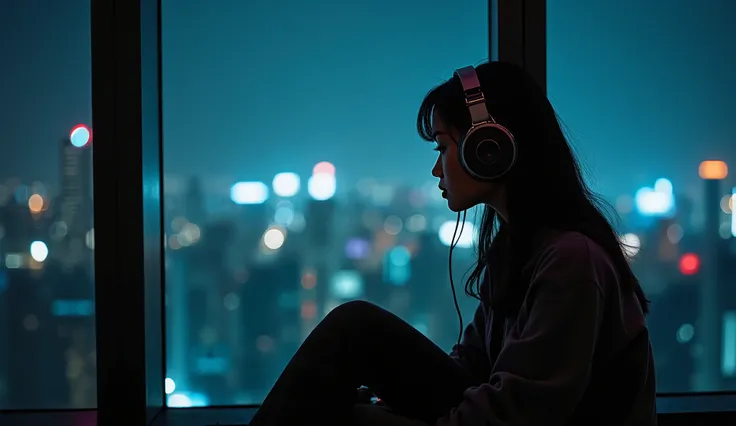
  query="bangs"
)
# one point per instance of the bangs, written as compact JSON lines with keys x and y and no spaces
{"x":424,"y":117}
{"x":448,"y":101}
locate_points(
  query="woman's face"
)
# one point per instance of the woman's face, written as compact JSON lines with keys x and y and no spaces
{"x":458,"y":187}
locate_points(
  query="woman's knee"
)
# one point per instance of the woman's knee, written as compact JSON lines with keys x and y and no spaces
{"x":357,"y":313}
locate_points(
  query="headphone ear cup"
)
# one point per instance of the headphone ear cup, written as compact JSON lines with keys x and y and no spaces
{"x":488,"y":151}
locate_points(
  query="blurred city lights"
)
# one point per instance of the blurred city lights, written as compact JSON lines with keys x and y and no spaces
{"x":35,"y":203}
{"x":393,"y":225}
{"x":324,"y":167}
{"x":713,"y":170}
{"x":657,"y":201}
{"x":169,"y":386}
{"x":249,"y":193}
{"x":685,"y":333}
{"x":284,"y":215}
{"x":308,"y":309}
{"x":399,"y":256}
{"x":39,"y":251}
{"x":416,"y":223}
{"x":189,"y":234}
{"x":663,"y":185}
{"x":347,"y":284}
{"x":728,"y":357}
{"x":675,"y":233}
{"x":689,"y":264}
{"x":632,"y":244}
{"x":463,"y":239}
{"x":322,"y":186}
{"x":274,"y":238}
{"x":309,"y":280}
{"x":357,"y":248}
{"x":80,"y":135}
{"x":727,"y":203}
{"x":286,"y":184}
{"x":733,"y":213}
{"x":186,"y":400}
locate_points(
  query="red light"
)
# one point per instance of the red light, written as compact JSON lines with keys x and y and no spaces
{"x":689,"y":264}
{"x":309,"y":309}
{"x":324,"y":167}
{"x":80,"y":135}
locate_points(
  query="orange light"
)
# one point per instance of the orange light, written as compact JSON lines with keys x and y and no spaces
{"x":713,"y":170}
{"x":35,"y":203}
{"x":689,"y":264}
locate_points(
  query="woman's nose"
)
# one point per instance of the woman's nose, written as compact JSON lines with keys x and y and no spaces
{"x":437,"y":169}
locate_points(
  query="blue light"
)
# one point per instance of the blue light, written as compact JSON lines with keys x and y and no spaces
{"x":73,"y":308}
{"x":399,"y":256}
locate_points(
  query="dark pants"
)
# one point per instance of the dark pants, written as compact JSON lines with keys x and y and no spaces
{"x":360,"y":344}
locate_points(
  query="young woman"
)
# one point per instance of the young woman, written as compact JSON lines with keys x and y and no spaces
{"x":559,"y":336}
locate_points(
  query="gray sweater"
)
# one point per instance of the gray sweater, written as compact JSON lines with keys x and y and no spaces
{"x":577,"y":354}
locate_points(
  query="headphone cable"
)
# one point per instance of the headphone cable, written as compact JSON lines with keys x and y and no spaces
{"x":452,"y":282}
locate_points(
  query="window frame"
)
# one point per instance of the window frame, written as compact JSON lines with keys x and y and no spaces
{"x":129,"y":249}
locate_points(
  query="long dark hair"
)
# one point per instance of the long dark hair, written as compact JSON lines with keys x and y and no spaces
{"x":545,"y":188}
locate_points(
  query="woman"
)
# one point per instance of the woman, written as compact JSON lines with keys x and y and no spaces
{"x":559,"y":335}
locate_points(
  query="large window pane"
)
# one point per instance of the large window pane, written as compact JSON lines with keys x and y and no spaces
{"x":646,"y":91}
{"x":47,"y":333}
{"x":327,"y":93}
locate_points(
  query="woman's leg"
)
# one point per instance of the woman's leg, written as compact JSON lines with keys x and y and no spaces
{"x":360,"y":344}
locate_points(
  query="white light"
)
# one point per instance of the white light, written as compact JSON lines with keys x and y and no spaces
{"x":653,"y":203}
{"x":733,"y":211}
{"x":632,"y":244}
{"x":169,"y":386}
{"x":179,"y":401}
{"x":322,"y":186}
{"x":249,"y":193}
{"x":286,"y":184}
{"x":663,"y":186}
{"x":274,"y":238}
{"x":39,"y":251}
{"x":463,"y":240}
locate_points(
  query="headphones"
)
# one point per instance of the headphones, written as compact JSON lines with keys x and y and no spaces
{"x":488,"y":150}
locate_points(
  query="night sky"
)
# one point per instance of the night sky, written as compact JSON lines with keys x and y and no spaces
{"x":254,"y":88}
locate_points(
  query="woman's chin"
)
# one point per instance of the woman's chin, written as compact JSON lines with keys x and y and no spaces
{"x":456,"y":205}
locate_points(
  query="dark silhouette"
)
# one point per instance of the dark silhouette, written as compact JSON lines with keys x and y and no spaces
{"x":559,"y":335}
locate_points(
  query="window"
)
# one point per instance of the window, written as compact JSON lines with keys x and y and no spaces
{"x":47,"y":328}
{"x":645,"y":90}
{"x":295,"y":179}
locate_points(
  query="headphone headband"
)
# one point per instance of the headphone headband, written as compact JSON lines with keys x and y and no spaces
{"x":487,"y":150}
{"x":475,"y":100}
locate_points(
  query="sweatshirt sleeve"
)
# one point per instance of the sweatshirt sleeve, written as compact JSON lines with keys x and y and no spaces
{"x":544,"y":366}
{"x":471,"y":353}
